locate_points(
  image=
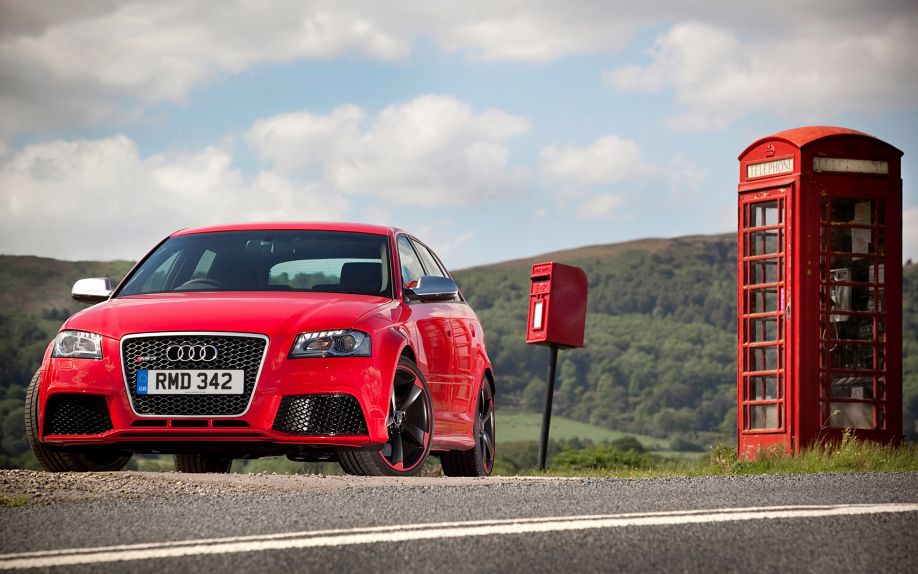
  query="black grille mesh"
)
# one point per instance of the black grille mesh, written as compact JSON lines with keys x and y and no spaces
{"x":76,"y":414}
{"x":233,"y":352}
{"x":325,"y":415}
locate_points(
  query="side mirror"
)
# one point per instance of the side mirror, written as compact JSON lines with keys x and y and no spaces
{"x":93,"y":290}
{"x":430,"y":288}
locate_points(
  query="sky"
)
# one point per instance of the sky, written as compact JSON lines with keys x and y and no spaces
{"x":492,"y":130}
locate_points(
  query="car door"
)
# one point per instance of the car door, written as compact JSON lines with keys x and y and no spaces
{"x":434,"y":337}
{"x":462,"y":333}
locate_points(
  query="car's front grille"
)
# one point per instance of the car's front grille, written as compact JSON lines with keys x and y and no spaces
{"x":76,"y":414}
{"x":234,"y":352}
{"x":320,"y":415}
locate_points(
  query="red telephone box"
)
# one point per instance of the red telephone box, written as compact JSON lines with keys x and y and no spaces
{"x":819,"y":289}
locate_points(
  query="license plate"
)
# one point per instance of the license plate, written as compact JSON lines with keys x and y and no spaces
{"x":190,"y":382}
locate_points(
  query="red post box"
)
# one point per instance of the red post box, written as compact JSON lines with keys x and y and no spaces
{"x":557,"y":318}
{"x":557,"y":305}
{"x":819,"y":289}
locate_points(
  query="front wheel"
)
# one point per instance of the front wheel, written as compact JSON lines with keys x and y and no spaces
{"x":478,"y":461}
{"x":410,"y":426}
{"x":96,"y":460}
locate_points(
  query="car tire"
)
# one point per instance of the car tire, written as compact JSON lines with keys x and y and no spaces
{"x":477,"y":461}
{"x":410,"y":430}
{"x":96,"y":460}
{"x":200,"y":463}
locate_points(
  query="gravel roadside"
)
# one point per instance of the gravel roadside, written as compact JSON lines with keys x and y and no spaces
{"x":27,"y":487}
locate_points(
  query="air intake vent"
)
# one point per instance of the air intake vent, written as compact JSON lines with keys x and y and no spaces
{"x":320,"y":415}
{"x":76,"y":414}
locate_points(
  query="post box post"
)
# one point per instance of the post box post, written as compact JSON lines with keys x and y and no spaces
{"x":557,"y":318}
{"x":546,"y":414}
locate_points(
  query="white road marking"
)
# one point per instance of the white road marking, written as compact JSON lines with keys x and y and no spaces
{"x":400,"y":533}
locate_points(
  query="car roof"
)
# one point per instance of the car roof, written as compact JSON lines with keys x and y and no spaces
{"x":293,"y":225}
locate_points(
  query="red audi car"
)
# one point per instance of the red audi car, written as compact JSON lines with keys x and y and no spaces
{"x":315,"y":341}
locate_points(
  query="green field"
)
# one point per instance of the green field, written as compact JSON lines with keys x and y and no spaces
{"x":518,"y":426}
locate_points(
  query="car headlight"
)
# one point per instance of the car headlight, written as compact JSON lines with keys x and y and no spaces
{"x":340,"y":343}
{"x":78,"y":345}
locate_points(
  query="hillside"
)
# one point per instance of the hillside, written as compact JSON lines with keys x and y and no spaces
{"x":659,"y":358}
{"x":661,"y":334}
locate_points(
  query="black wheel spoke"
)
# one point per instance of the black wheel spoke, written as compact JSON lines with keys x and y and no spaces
{"x":421,"y":413}
{"x":413,"y":434}
{"x":486,"y":438}
{"x":413,"y":395}
{"x":397,"y":450}
{"x":484,"y":404}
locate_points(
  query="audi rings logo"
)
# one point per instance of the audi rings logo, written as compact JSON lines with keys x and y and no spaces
{"x":191,"y":353}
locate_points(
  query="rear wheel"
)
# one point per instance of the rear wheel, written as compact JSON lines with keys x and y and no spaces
{"x":95,"y":460}
{"x":410,"y":426}
{"x":478,"y":461}
{"x":198,"y":463}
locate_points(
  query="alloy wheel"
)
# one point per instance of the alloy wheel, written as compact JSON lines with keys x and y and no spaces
{"x":409,"y":422}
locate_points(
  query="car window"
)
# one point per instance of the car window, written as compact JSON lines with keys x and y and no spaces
{"x":204,"y":263}
{"x":267,"y":260}
{"x":157,"y":277}
{"x":309,"y":273}
{"x":430,"y":263}
{"x":410,"y":264}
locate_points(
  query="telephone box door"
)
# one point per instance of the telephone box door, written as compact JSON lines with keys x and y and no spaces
{"x":853,"y":312}
{"x":764,"y":299}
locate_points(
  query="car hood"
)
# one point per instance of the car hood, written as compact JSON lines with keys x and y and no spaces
{"x":273,"y":314}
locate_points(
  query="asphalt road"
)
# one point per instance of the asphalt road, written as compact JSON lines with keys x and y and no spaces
{"x":262,"y":523}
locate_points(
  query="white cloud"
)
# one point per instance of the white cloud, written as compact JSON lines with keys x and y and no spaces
{"x":584,"y":176}
{"x":910,"y":234}
{"x":433,"y":150}
{"x":685,"y":178}
{"x":100,"y":199}
{"x":603,"y":206}
{"x":717,"y":75}
{"x":609,"y":159}
{"x":112,"y":59}
{"x":299,"y":140}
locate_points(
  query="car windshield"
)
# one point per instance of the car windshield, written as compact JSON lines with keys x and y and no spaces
{"x":287,"y":260}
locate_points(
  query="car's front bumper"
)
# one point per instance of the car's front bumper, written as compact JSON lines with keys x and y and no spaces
{"x":366,"y":379}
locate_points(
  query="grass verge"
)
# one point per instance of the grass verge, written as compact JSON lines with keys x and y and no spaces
{"x":12,"y":501}
{"x":849,"y":455}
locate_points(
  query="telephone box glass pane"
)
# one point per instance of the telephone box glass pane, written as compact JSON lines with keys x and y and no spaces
{"x":851,"y":269}
{"x":764,"y":213}
{"x":851,"y":387}
{"x":762,"y":330}
{"x":764,"y":388}
{"x":764,"y":242}
{"x":763,"y":359}
{"x":851,"y":298}
{"x":858,"y":357}
{"x":855,"y":211}
{"x":854,"y":328}
{"x":763,"y":417}
{"x":852,"y":415}
{"x":764,"y":271}
{"x":764,"y":300}
{"x":852,"y":240}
